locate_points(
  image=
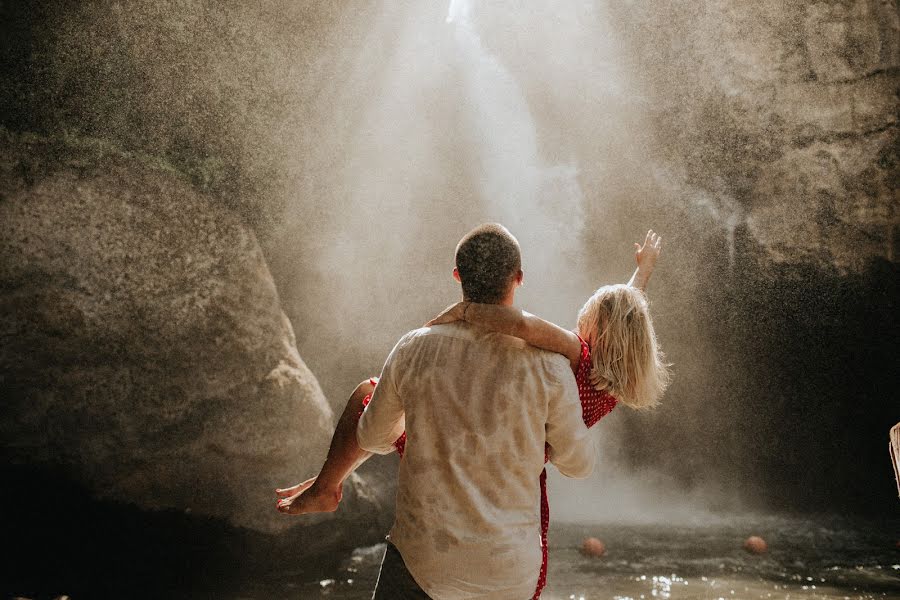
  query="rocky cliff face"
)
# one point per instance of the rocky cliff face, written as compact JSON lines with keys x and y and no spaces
{"x":144,"y":347}
{"x":787,"y":111}
{"x":761,"y":139}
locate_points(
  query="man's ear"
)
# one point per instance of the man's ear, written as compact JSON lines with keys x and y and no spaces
{"x":520,"y":277}
{"x":456,"y":275}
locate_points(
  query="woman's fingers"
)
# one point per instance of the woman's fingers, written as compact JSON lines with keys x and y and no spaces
{"x":650,"y":247}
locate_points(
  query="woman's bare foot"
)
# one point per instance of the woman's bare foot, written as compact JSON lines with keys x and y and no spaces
{"x":312,"y":500}
{"x":295,"y":489}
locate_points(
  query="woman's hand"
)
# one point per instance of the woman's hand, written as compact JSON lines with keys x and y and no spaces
{"x":646,"y":255}
{"x":454,"y":312}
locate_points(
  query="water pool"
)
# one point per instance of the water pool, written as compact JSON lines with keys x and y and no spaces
{"x":807,"y":558}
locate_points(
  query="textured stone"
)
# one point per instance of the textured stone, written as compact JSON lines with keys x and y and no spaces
{"x":810,"y":109}
{"x":593,"y":547}
{"x":829,"y":202}
{"x":844,"y":40}
{"x":790,"y":108}
{"x":755,"y":545}
{"x":144,"y":347}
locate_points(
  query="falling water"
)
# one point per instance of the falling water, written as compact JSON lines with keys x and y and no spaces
{"x":540,"y":203}
{"x":543,"y":205}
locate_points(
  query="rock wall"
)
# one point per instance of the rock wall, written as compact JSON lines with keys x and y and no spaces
{"x":761,"y":139}
{"x":788,"y":109}
{"x":144,"y":346}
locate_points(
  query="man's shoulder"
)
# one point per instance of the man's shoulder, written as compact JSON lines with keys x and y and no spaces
{"x":410,"y":337}
{"x":423,"y":335}
{"x":417,"y":336}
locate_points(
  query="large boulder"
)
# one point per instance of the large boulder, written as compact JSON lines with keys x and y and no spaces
{"x":144,"y":349}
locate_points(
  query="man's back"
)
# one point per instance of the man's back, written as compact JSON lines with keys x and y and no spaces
{"x":478,"y":409}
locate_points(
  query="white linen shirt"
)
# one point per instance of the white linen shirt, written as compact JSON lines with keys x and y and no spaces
{"x":477,"y":408}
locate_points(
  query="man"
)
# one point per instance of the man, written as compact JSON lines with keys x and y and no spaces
{"x":477,"y":408}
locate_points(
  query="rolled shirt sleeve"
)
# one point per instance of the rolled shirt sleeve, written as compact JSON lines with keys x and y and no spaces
{"x":383,"y":420}
{"x":572,"y":448}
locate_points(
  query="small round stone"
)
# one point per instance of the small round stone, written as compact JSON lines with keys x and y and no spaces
{"x":591,"y":546}
{"x":755,"y":545}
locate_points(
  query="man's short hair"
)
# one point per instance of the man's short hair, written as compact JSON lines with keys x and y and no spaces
{"x":488,"y":259}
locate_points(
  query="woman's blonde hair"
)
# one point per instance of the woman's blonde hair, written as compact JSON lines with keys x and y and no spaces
{"x":626,"y":359}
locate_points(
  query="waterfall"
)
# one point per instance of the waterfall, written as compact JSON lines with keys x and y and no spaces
{"x":540,"y":203}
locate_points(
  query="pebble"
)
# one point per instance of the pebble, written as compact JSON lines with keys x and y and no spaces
{"x":591,"y":546}
{"x":755,"y":545}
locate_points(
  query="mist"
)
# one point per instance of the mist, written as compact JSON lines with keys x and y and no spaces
{"x":361,"y":142}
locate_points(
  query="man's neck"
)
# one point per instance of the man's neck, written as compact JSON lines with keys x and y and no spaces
{"x":509,"y":300}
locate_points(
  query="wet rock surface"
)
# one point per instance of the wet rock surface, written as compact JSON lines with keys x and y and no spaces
{"x":770,"y":156}
{"x":144,"y":347}
{"x":786,"y":113}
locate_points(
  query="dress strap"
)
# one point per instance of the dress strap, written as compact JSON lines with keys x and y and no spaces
{"x":585,"y":352}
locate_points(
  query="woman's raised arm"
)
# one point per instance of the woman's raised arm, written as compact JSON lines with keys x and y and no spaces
{"x":645,"y":256}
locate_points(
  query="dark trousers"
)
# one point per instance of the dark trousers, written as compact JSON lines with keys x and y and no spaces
{"x":394,"y":581}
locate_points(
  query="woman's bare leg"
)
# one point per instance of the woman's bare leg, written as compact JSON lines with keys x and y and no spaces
{"x":323,"y":492}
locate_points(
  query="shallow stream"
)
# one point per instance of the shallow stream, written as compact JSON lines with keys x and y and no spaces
{"x":807,"y":558}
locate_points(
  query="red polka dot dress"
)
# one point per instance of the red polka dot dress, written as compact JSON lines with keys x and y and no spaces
{"x":595,"y":404}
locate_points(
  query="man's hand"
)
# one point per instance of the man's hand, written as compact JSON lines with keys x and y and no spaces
{"x":454,"y":312}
